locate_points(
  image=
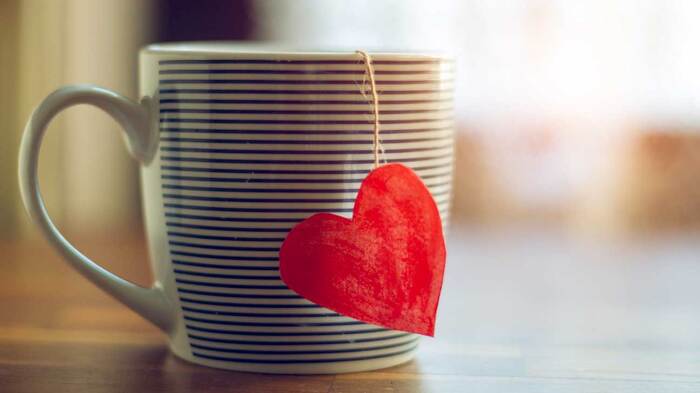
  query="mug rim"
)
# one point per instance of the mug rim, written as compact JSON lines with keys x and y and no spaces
{"x":269,"y":50}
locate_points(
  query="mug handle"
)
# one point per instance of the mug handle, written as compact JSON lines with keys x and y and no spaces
{"x":151,"y":303}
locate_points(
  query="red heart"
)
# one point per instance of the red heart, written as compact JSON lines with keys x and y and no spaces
{"x":384,"y":266}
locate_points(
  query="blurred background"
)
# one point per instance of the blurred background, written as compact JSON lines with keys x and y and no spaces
{"x":581,"y":116}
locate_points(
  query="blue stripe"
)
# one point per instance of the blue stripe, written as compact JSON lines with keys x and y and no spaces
{"x":226,"y":229}
{"x":301,"y":361}
{"x":250,"y":210}
{"x":169,"y":119}
{"x":272,"y":324}
{"x":317,"y":82}
{"x":254,"y":210}
{"x":292,"y":152}
{"x":261,"y":315}
{"x":231,"y":276}
{"x":238,"y":219}
{"x":281,"y":334}
{"x":306,"y":352}
{"x":303,"y":132}
{"x":236,"y":286}
{"x":210,"y":179}
{"x":236,"y":295}
{"x":277,"y":190}
{"x":284,"y":62}
{"x":218,"y":71}
{"x":317,"y":112}
{"x":303,"y":162}
{"x":225,"y":248}
{"x":288,"y":171}
{"x":183,"y":197}
{"x":358,"y":92}
{"x":263,"y":190}
{"x":225,"y":257}
{"x":246,"y":305}
{"x":305,"y":343}
{"x":299,"y":142}
{"x":229,"y":238}
{"x":295,"y":102}
{"x":224,"y":267}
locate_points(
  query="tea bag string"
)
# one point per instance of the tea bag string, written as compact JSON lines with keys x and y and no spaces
{"x":375,"y":103}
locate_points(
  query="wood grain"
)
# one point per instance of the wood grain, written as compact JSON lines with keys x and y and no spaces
{"x":528,"y":311}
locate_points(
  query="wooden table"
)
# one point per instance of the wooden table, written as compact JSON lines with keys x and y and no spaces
{"x":523,"y":311}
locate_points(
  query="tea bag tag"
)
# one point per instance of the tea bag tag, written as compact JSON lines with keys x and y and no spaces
{"x":385,"y":265}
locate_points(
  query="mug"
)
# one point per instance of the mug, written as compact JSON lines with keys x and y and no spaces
{"x":236,"y":146}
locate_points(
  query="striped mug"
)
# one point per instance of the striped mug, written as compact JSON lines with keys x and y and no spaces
{"x":237,"y":145}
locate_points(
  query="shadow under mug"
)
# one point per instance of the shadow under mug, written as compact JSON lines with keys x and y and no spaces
{"x":237,"y":145}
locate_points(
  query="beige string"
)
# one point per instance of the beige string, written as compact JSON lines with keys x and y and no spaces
{"x":375,"y":104}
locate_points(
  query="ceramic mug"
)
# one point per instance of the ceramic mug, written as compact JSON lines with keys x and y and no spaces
{"x":237,"y":145}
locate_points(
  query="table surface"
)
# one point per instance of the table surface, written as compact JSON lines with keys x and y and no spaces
{"x":531,"y":310}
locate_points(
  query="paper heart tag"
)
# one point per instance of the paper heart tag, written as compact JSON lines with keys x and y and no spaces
{"x":384,"y":266}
